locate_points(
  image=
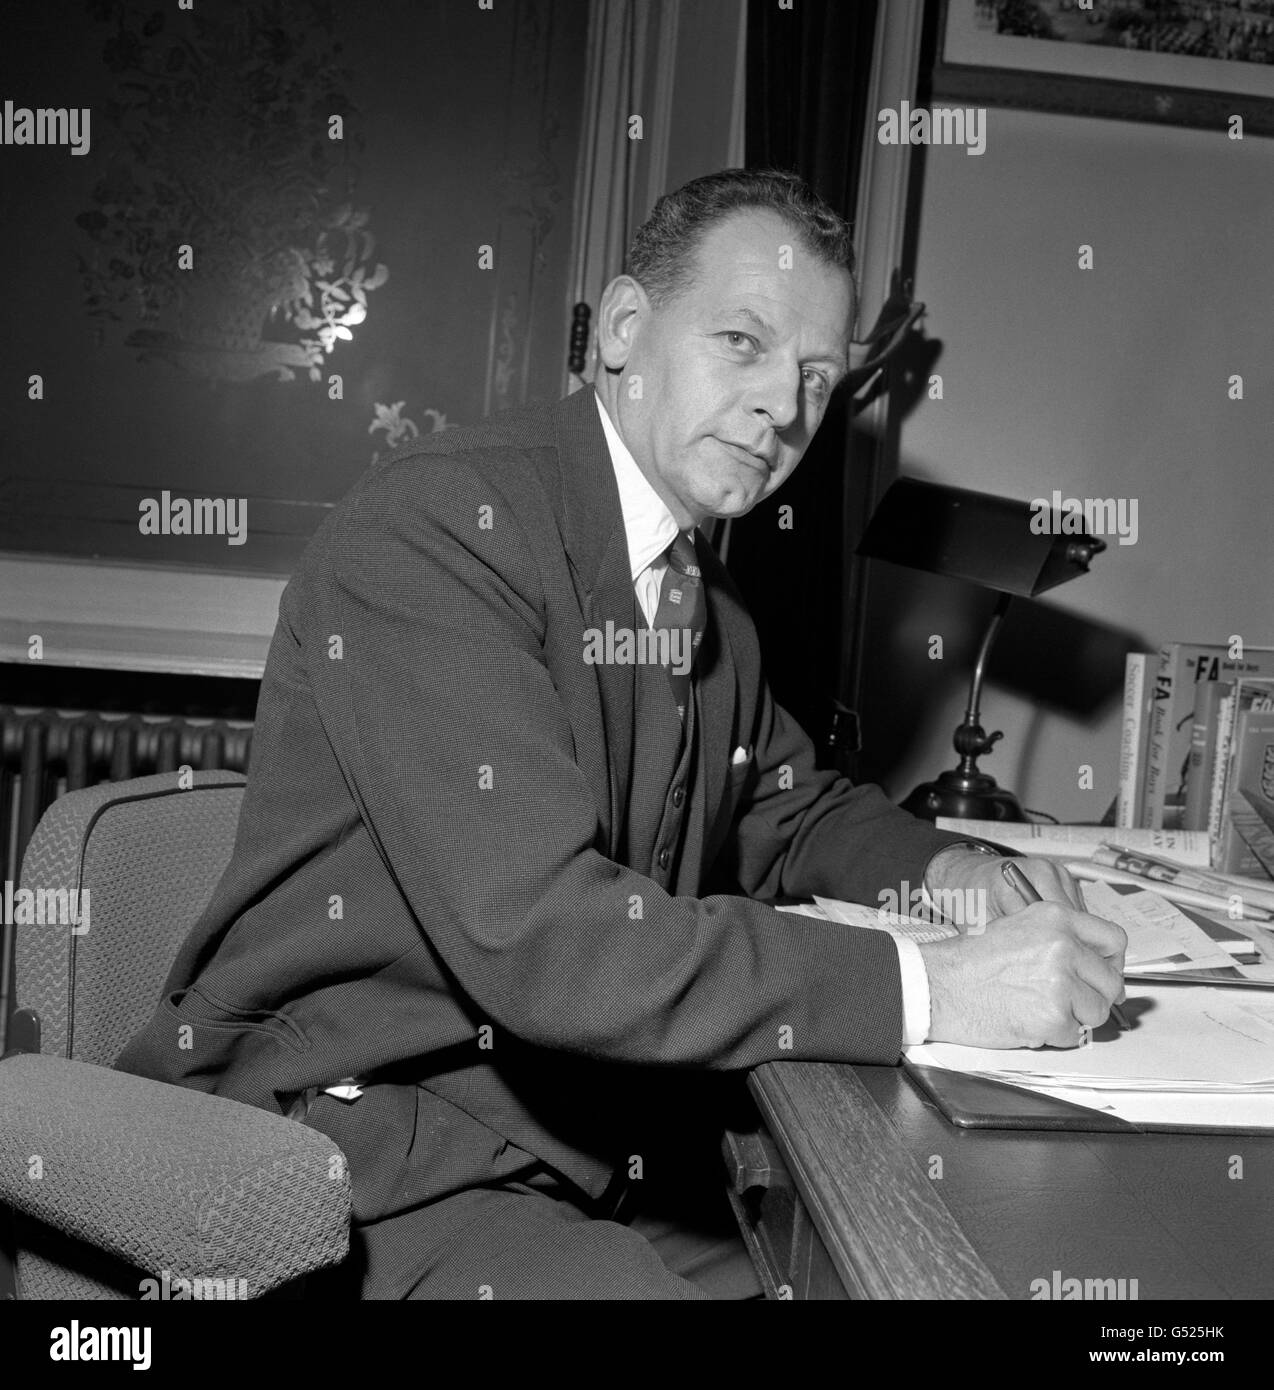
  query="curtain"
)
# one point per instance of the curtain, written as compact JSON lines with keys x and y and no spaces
{"x":607,"y":176}
{"x":807,"y":75}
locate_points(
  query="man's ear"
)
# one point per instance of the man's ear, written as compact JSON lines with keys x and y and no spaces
{"x":622,"y":311}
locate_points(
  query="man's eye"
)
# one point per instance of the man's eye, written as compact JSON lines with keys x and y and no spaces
{"x":817,"y":381}
{"x":742,"y":338}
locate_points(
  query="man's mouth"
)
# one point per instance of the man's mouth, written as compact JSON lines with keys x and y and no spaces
{"x":750,"y":456}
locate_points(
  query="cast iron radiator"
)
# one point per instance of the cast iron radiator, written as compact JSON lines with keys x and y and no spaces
{"x":45,"y":753}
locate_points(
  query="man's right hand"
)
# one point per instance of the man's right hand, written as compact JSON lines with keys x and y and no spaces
{"x":1035,"y":977}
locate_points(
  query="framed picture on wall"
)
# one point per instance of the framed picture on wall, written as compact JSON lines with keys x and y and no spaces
{"x":1179,"y":62}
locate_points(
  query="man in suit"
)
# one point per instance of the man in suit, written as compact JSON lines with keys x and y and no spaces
{"x":496,"y":919}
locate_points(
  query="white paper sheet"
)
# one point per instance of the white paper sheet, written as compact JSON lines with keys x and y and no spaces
{"x":1183,"y":1039}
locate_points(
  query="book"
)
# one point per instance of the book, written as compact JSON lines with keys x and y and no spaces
{"x":1133,"y":739}
{"x":1247,"y":838}
{"x":1228,"y":849}
{"x":1220,"y":765}
{"x":1203,"y":741}
{"x":1182,"y":665}
{"x":1254,"y":820}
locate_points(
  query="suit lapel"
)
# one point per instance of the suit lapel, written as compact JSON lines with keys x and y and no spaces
{"x":597,"y":549}
{"x":717,"y":681}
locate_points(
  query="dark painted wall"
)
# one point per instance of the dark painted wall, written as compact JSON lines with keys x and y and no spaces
{"x":211,"y":128}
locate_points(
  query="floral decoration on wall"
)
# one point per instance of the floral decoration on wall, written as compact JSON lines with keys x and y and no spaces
{"x":224,"y":234}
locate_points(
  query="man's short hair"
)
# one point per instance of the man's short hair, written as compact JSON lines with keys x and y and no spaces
{"x":661,"y":258}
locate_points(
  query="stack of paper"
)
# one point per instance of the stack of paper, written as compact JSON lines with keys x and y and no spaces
{"x":1194,"y":1056}
{"x":1160,"y":937}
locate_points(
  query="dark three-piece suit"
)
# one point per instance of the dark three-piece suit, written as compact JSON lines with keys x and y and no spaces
{"x":508,"y":891}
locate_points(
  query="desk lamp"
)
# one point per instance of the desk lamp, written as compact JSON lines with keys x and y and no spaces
{"x":989,"y":541}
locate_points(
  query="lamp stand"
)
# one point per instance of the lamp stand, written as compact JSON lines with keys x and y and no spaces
{"x":965,"y":792}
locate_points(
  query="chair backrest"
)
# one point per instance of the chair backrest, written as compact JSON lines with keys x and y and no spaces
{"x":149,"y":852}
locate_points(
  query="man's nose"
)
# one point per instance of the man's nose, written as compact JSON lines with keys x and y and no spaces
{"x":778,"y":396}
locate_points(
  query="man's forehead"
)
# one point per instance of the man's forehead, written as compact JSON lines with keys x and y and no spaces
{"x":752,"y":262}
{"x":755,"y":252}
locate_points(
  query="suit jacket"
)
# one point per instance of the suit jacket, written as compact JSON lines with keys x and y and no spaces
{"x":425,"y":883}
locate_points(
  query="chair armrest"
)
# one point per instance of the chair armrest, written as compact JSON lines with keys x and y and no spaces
{"x":170,"y":1179}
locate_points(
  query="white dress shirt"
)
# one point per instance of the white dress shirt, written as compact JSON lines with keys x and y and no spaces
{"x":651,"y":529}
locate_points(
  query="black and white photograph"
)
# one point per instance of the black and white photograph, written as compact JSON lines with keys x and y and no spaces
{"x":636,"y":665}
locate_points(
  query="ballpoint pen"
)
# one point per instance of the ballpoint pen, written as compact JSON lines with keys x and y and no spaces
{"x":1025,"y":889}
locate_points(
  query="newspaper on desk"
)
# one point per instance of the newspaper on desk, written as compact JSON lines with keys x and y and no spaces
{"x":1161,"y":938}
{"x":1194,"y":1056}
{"x":1188,"y":847}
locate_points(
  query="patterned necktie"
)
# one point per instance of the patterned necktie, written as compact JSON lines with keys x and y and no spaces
{"x":683,"y":614}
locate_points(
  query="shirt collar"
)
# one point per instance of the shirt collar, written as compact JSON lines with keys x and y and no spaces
{"x":648,"y":524}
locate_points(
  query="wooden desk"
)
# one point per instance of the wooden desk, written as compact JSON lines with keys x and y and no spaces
{"x":835,"y":1199}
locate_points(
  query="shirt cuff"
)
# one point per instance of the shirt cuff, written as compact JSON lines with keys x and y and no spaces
{"x":915,"y":992}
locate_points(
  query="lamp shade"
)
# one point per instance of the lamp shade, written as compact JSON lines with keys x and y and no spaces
{"x":977,"y":537}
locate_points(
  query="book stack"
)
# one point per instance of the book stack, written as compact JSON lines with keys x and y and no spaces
{"x":1197,"y":750}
